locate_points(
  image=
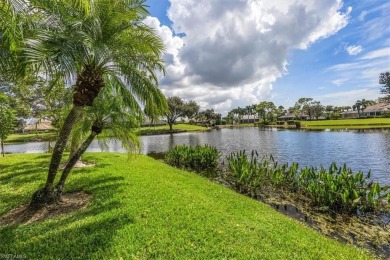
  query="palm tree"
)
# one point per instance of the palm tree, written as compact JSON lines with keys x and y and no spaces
{"x":240,"y":113}
{"x":357,"y":106}
{"x":99,"y":44}
{"x":112,"y":117}
{"x":360,"y":105}
{"x":366,"y":103}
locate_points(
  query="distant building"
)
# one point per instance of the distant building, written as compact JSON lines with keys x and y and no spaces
{"x":371,"y":111}
{"x":38,"y":125}
{"x":292,"y":117}
{"x":247,"y":119}
{"x":349,"y":114}
{"x":376,"y":110}
{"x":149,"y":123}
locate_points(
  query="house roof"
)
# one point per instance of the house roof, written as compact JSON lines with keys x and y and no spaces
{"x":349,"y":112}
{"x":43,"y":125}
{"x":377,"y":107}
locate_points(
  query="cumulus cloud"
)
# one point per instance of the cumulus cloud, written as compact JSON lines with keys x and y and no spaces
{"x":233,"y":51}
{"x":354,"y":49}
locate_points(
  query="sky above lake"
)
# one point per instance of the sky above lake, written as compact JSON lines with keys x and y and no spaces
{"x":229,"y":53}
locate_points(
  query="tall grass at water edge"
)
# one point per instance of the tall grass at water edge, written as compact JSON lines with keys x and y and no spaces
{"x":335,"y":188}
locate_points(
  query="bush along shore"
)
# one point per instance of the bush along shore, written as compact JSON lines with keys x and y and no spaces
{"x":336,"y":201}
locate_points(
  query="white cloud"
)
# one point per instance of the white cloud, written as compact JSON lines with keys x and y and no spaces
{"x":354,"y":49}
{"x":343,"y":98}
{"x":381,"y":53}
{"x":339,"y":82}
{"x":362,"y":15}
{"x":233,"y":51}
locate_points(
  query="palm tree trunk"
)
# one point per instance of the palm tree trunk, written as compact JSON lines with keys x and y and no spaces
{"x":75,"y":158}
{"x":61,"y":143}
{"x":48,"y":195}
{"x":2,"y":147}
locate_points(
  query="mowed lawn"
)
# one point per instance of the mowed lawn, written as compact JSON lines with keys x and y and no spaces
{"x":349,"y":123}
{"x":31,"y":137}
{"x":184,"y":127}
{"x":142,"y":208}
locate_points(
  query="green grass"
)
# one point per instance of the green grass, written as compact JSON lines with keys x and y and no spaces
{"x":365,"y":123}
{"x":144,"y":209}
{"x":51,"y":136}
{"x":239,"y":125}
{"x":176,"y":127}
{"x":31,"y":137}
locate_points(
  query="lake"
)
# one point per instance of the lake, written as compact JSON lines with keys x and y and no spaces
{"x":361,"y":150}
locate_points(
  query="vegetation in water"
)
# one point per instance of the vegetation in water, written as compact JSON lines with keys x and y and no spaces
{"x":202,"y":159}
{"x":336,"y":188}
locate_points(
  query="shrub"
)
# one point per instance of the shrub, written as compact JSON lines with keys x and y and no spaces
{"x":192,"y":122}
{"x":201,"y":159}
{"x":280,"y":122}
{"x":386,"y":114}
{"x":290,"y":122}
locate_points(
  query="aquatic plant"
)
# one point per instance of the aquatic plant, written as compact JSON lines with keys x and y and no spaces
{"x":202,"y":159}
{"x":336,"y":188}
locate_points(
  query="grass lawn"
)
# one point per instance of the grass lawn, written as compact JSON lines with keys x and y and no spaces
{"x":31,"y":137}
{"x":51,"y":136}
{"x":348,"y":123}
{"x":176,"y":127}
{"x":142,"y":208}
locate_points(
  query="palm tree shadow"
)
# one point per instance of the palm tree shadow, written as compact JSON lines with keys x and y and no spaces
{"x":96,"y":225}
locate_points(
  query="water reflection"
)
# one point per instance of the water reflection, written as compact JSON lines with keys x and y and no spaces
{"x":361,"y":150}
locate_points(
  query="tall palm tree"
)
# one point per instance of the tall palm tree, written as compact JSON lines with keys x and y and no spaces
{"x":358,"y":106}
{"x":98,"y":44}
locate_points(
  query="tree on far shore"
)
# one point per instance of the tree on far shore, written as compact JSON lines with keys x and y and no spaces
{"x":384,"y":79}
{"x":180,"y":108}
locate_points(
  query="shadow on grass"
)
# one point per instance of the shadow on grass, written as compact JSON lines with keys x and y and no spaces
{"x":81,"y":234}
{"x":84,"y":234}
{"x":10,"y":171}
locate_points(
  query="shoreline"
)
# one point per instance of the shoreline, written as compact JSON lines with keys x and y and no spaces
{"x":34,"y":138}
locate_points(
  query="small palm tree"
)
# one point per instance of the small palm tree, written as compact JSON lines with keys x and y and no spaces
{"x":112,"y":117}
{"x":98,"y":44}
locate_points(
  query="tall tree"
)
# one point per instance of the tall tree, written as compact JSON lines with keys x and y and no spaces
{"x":384,"y":79}
{"x":267,"y":111}
{"x":358,"y":106}
{"x":191,"y":109}
{"x":7,"y":119}
{"x":316,"y":109}
{"x":208,"y":117}
{"x":180,"y":108}
{"x":99,"y":44}
{"x":303,"y":105}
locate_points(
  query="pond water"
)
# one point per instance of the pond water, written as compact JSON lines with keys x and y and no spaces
{"x":361,"y":150}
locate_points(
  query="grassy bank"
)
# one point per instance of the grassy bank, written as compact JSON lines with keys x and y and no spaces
{"x":51,"y":136}
{"x":176,"y":128}
{"x":143,"y":208}
{"x":31,"y":137}
{"x":365,"y":123}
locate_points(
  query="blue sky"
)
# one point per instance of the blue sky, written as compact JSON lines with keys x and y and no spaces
{"x":225,"y":54}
